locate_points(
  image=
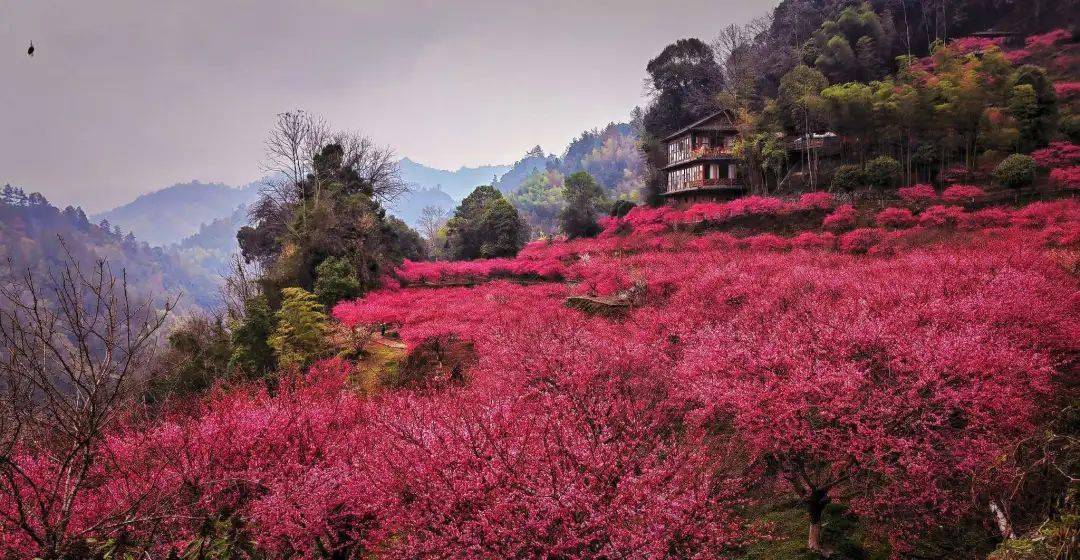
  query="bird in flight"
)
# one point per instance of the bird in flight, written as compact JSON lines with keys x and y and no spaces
{"x":30,"y":51}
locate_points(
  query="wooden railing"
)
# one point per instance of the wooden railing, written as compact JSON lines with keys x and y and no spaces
{"x":704,"y":152}
{"x":710,"y":151}
{"x":700,"y":183}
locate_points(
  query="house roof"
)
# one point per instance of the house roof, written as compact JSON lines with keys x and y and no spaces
{"x":702,"y":125}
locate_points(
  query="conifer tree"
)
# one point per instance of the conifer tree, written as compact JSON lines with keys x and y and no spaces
{"x":300,"y":336}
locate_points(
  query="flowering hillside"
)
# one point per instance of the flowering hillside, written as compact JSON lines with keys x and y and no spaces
{"x":882,"y":366}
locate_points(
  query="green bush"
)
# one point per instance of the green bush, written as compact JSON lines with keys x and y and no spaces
{"x":335,"y":280}
{"x":1015,"y":172}
{"x":300,"y":337}
{"x":882,"y":172}
{"x":848,"y":178}
{"x":621,"y":207}
{"x":583,"y":199}
{"x":251,"y":354}
{"x":1070,"y":128}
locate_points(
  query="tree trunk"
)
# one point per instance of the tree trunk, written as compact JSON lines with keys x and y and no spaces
{"x":815,"y":507}
{"x":1002,"y":520}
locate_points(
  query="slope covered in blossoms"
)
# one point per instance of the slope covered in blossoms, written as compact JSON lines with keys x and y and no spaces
{"x":885,"y":360}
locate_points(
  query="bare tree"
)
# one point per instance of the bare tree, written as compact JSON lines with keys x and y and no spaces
{"x":432,"y":219}
{"x":377,"y":165}
{"x":288,"y":160}
{"x":71,"y":347}
{"x":239,"y":287}
{"x":740,"y":57}
{"x":295,"y":140}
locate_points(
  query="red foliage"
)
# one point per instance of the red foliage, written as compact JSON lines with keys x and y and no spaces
{"x":897,"y":218}
{"x":1017,"y":56}
{"x":1047,"y":40}
{"x":843,"y":218}
{"x":918,"y":195}
{"x":769,"y":242}
{"x":1057,"y":154}
{"x":1066,"y":177}
{"x":941,"y":216}
{"x":962,"y":193}
{"x":1066,"y":90}
{"x":897,"y":386}
{"x":814,"y":240}
{"x":861,"y":240}
{"x":816,"y":201}
{"x":987,"y":218}
{"x":819,"y":380}
{"x":965,"y":45}
{"x":409,"y":272}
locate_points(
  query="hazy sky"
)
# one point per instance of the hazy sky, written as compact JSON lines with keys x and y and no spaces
{"x":125,"y":97}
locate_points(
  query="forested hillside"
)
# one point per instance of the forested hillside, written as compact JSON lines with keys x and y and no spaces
{"x":38,"y":236}
{"x":166,"y":216}
{"x":610,"y":155}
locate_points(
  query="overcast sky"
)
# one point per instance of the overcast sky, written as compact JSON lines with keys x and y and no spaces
{"x":125,"y":97}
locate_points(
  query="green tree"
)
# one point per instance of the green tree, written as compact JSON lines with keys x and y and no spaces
{"x":851,"y":112}
{"x":540,"y":198}
{"x":848,"y":178}
{"x":684,"y":79}
{"x":802,"y":109}
{"x":503,"y":231}
{"x":251,"y":354}
{"x":197,"y":354}
{"x":882,"y":172}
{"x":402,"y":242}
{"x":837,"y":59}
{"x":1015,"y":172}
{"x":1033,"y":103}
{"x":300,"y":337}
{"x":326,"y":203}
{"x":583,"y":199}
{"x":851,"y":47}
{"x":485,"y":225}
{"x":335,"y":280}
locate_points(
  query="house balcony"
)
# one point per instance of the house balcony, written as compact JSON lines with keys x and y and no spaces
{"x":703,"y":152}
{"x":711,"y":152}
{"x":721,"y":183}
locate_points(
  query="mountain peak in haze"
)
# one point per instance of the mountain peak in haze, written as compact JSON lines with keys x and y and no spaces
{"x":458,"y":184}
{"x":168,"y":215}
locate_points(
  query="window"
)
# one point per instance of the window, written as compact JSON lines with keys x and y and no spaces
{"x":685,"y":178}
{"x":679,"y":150}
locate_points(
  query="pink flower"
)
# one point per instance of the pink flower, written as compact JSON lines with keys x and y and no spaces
{"x":897,"y":218}
{"x":1048,"y":39}
{"x":1066,"y":177}
{"x":918,"y":195}
{"x":818,"y":200}
{"x":843,"y":218}
{"x":962,"y":193}
{"x":1057,"y":154}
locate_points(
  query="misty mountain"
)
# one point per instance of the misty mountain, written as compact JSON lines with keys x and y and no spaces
{"x":214,"y":245}
{"x":532,"y":162}
{"x":409,"y":205}
{"x":38,"y":236}
{"x":458,"y":184}
{"x":171,"y":214}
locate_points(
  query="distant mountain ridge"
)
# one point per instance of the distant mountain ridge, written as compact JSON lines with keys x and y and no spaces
{"x":38,"y":236}
{"x":169,"y":215}
{"x":409,"y":205}
{"x":458,"y":184}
